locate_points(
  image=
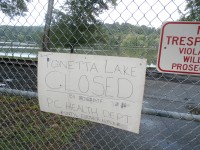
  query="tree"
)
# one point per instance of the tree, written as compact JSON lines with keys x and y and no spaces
{"x":14,"y":7}
{"x":77,"y":24}
{"x":140,"y":45}
{"x":193,"y":11}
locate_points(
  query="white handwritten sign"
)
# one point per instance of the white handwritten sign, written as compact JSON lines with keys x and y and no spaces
{"x":103,"y":89}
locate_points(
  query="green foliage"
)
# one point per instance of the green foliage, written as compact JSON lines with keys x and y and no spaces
{"x":193,"y":11}
{"x":14,"y":7}
{"x":76,"y":24}
{"x":110,"y":39}
{"x":134,"y":34}
{"x":21,"y":33}
{"x":134,"y":41}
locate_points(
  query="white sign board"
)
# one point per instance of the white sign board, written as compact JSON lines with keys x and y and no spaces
{"x":179,"y":50}
{"x":103,"y":89}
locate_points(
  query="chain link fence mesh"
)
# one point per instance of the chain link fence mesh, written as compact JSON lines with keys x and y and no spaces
{"x":130,"y":28}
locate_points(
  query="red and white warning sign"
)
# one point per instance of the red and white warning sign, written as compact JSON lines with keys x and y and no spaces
{"x":179,"y":50}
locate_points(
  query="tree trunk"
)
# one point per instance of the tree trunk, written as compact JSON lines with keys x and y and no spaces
{"x":46,"y":41}
{"x":71,"y":48}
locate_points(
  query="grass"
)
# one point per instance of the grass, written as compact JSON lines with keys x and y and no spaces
{"x":24,"y":126}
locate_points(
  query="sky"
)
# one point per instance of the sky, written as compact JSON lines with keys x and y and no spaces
{"x":151,"y":13}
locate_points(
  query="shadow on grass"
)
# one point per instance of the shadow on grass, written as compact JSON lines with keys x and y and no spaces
{"x":24,"y":126}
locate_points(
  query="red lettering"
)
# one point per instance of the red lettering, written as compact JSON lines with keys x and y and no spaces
{"x":196,"y":67}
{"x":190,"y":41}
{"x":198,"y":30}
{"x":179,"y":66}
{"x":186,"y":58}
{"x":173,"y":65}
{"x":182,"y":40}
{"x":191,"y":59}
{"x":194,"y":51}
{"x":190,"y":67}
{"x":168,"y":39}
{"x":190,"y":51}
{"x":185,"y":67}
{"x":175,"y":40}
{"x":181,"y":50}
{"x":197,"y":40}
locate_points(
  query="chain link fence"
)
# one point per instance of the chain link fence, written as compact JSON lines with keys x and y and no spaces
{"x":131,"y":28}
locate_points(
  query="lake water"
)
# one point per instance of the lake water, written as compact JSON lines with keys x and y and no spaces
{"x":23,"y":55}
{"x":31,"y":55}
